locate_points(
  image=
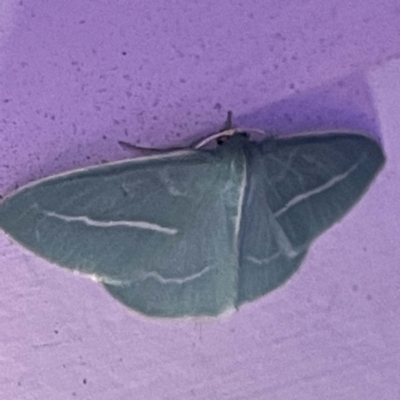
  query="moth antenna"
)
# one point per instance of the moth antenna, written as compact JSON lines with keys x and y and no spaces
{"x":228,"y":125}
{"x":147,"y":150}
{"x":227,"y":130}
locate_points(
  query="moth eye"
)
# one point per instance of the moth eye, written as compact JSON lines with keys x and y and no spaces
{"x":222,"y":139}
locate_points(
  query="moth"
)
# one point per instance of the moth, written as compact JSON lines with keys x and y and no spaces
{"x":197,"y":231}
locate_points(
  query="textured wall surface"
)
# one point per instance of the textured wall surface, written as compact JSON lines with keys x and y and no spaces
{"x":77,"y":76}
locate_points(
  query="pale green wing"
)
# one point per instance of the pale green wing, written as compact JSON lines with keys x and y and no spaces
{"x":298,"y":187}
{"x":158,"y":232}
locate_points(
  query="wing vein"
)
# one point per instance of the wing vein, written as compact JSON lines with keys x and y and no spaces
{"x":240,"y":208}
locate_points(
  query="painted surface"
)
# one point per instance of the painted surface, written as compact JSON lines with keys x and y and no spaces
{"x":77,"y":76}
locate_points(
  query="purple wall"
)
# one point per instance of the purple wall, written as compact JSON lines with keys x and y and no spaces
{"x":77,"y":76}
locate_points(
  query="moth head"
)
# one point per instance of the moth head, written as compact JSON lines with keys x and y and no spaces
{"x":221,"y":138}
{"x":224,"y":138}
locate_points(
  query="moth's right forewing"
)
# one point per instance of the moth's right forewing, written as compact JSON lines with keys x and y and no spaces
{"x":157,"y":232}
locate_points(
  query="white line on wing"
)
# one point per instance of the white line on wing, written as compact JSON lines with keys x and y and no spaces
{"x":110,"y":224}
{"x":304,"y":196}
{"x":179,"y":281}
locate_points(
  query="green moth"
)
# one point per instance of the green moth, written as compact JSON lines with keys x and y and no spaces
{"x":198,"y":231}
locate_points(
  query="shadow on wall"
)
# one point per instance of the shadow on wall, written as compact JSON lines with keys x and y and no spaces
{"x":345,"y":104}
